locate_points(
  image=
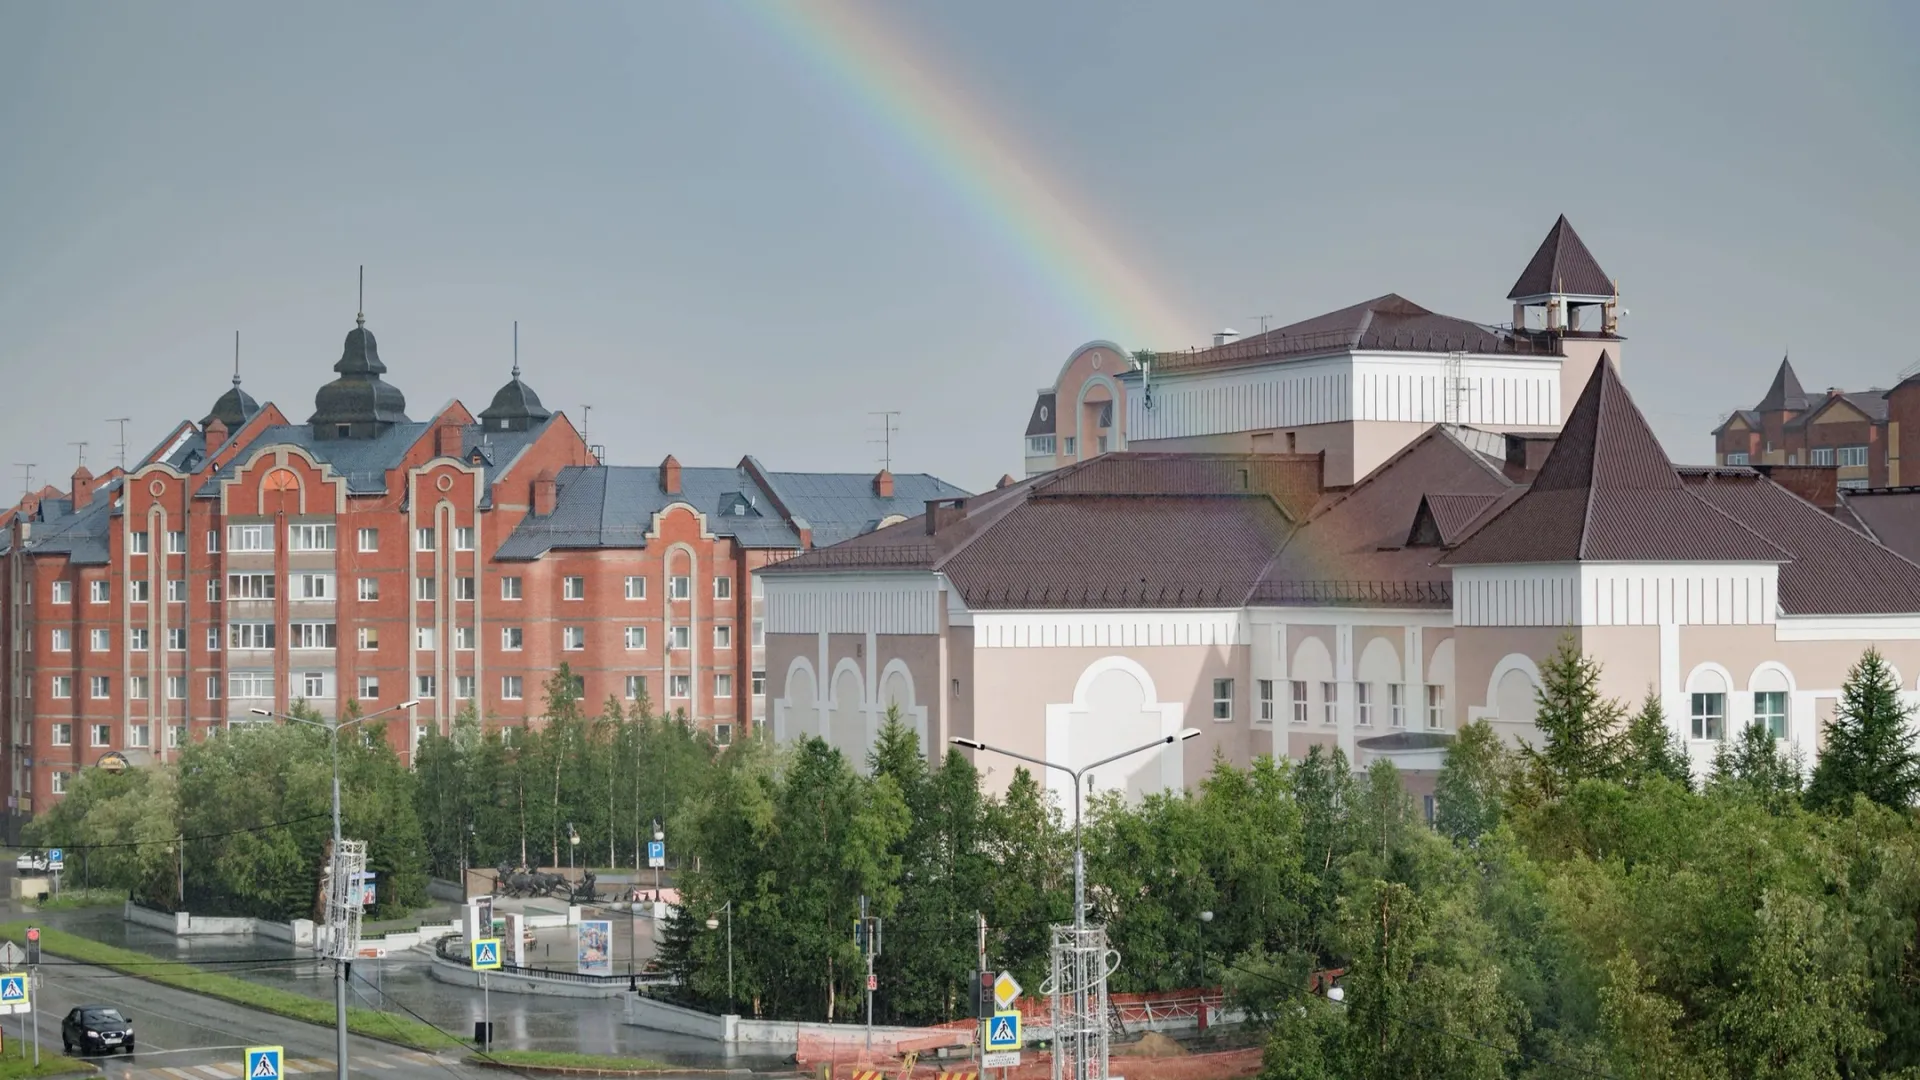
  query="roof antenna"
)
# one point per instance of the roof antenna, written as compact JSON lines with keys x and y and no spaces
{"x":236,"y":358}
{"x":360,"y":317}
{"x":887,"y":429}
{"x":26,"y":475}
{"x":83,"y":452}
{"x":122,"y":421}
{"x":516,"y":350}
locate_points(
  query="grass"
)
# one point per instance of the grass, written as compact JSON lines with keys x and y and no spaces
{"x":554,"y":1059}
{"x":80,"y":898}
{"x":14,"y":1067}
{"x":403,"y":1030}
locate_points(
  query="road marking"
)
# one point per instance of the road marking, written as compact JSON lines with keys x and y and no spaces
{"x":221,"y":1072}
{"x":371,"y":1063}
{"x":179,"y":1074}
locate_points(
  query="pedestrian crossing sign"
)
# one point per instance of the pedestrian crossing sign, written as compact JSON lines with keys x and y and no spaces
{"x":263,"y":1063}
{"x":13,"y":989}
{"x":1003,"y":1031}
{"x":486,"y":954}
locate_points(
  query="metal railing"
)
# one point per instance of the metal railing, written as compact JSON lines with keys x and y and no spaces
{"x":454,"y":948}
{"x":1353,"y":592}
{"x":1490,"y":340}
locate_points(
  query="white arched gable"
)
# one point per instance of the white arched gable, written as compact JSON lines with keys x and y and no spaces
{"x":1709,"y":678}
{"x":896,"y":688}
{"x":796,"y":714}
{"x":1312,"y":663}
{"x":1077,"y":353}
{"x":1115,"y":707}
{"x":1379,"y":663}
{"x":847,"y":715}
{"x":1771,"y":676}
{"x":1509,"y":663}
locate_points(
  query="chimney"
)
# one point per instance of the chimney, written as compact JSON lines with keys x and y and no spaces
{"x":446,"y":439}
{"x":670,"y":475}
{"x":546,"y":492}
{"x":1526,"y":452}
{"x":216,"y":435}
{"x":82,"y":488}
{"x":1817,"y":484}
{"x":883,"y":484}
{"x":1225,"y":337}
{"x":944,"y":512}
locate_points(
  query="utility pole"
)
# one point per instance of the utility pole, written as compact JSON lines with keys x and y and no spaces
{"x":888,"y":429}
{"x":866,"y":934}
{"x":979,"y":1044}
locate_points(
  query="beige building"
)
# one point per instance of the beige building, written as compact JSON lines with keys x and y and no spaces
{"x":1263,"y":600}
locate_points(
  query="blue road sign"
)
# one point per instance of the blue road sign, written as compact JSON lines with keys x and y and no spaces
{"x":13,"y":989}
{"x":656,"y":853}
{"x":263,"y":1063}
{"x":56,"y":858}
{"x":486,"y":954}
{"x":1003,"y":1031}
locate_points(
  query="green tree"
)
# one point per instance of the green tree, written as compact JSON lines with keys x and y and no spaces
{"x":1468,"y":793}
{"x":1580,"y":730}
{"x":1753,"y":767}
{"x":1869,"y":743}
{"x":1653,"y":749}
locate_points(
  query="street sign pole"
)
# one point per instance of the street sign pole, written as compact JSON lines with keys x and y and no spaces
{"x":33,"y":1011}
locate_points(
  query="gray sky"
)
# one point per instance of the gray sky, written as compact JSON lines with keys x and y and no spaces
{"x":707,"y":236}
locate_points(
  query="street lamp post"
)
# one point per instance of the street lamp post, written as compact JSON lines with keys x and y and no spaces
{"x":713,"y":923}
{"x":339,"y":962}
{"x":573,"y":843}
{"x":1079,"y":854}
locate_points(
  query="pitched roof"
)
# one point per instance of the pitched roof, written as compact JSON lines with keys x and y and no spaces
{"x":1869,"y":403}
{"x":1785,"y":395}
{"x":1889,"y":515}
{"x":1562,"y":266}
{"x":1608,"y":493}
{"x":1041,"y":422}
{"x":1387,"y":323}
{"x":81,"y":536}
{"x":1750,"y":416}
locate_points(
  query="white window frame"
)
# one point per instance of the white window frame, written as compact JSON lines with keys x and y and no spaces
{"x":636,"y":638}
{"x":62,"y":688}
{"x":1850,"y":457}
{"x":1223,"y":701}
{"x":244,"y":538}
{"x":368,"y":539}
{"x":1397,"y":705}
{"x":680,"y":587}
{"x":369,"y":589}
{"x":463,"y":688}
{"x":176,"y":542}
{"x":368,"y":687}
{"x":139,"y":590}
{"x":1363,"y":704}
{"x":62,"y":733}
{"x":464,"y":588}
{"x":424,"y":639}
{"x":1329,"y":704}
{"x":679,"y":687}
{"x":100,"y":687}
{"x":573,"y":587}
{"x":139,"y":542}
{"x":100,"y":639}
{"x":60,"y":639}
{"x":426,"y":538}
{"x":510,"y":588}
{"x":63,"y":592}
{"x":680,"y":638}
{"x":722,"y":685}
{"x":510,"y":688}
{"x":1765,"y":716}
{"x":512,"y":638}
{"x":310,"y":536}
{"x":426,"y":589}
{"x":636,"y":587}
{"x":1298,"y":705}
{"x":723,"y":588}
{"x":176,"y":639}
{"x":1436,"y":707}
{"x":723,"y":636}
{"x":463,"y":541}
{"x":463,"y":639}
{"x":313,"y":684}
{"x":1708,"y":715}
{"x":176,"y":590}
{"x":573,"y":639}
{"x":138,"y":639}
{"x":99,"y":592}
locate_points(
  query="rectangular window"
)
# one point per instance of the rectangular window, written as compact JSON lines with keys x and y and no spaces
{"x":463,"y":687}
{"x":176,"y":639}
{"x":63,"y":592}
{"x":1820,"y":455}
{"x":369,"y":539}
{"x":137,"y":688}
{"x":1397,"y":705}
{"x":723,"y":588}
{"x":1736,"y":459}
{"x":61,"y":640}
{"x":176,"y":736}
{"x":369,"y":588}
{"x":723,"y":685}
{"x":313,"y":684}
{"x":1298,"y":690}
{"x":250,"y":684}
{"x":100,"y":734}
{"x":426,"y":687}
{"x":573,"y":588}
{"x":463,"y":588}
{"x":63,"y":734}
{"x":636,"y":587}
{"x":311,"y":635}
{"x":62,"y":686}
{"x":369,"y":638}
{"x":100,"y":641}
{"x":723,"y":637}
{"x":250,"y":635}
{"x":424,"y":539}
{"x":1264,"y":687}
{"x":213,"y":688}
{"x":510,"y":687}
{"x":139,"y":590}
{"x":99,"y":592}
{"x":1436,"y":707}
{"x":1038,"y":445}
{"x":1223,"y":699}
{"x":423,"y":638}
{"x":679,"y":587}
{"x":1071,"y":445}
{"x":679,"y":686}
{"x":213,"y":590}
{"x":369,"y":688}
{"x":249,"y":538}
{"x":424,"y":588}
{"x":213,"y":639}
{"x":463,"y":541}
{"x":1858,"y":483}
{"x":759,"y":684}
{"x":176,"y":542}
{"x":137,"y":543}
{"x":509,"y":588}
{"x":250,"y":586}
{"x":137,"y":736}
{"x":101,"y":686}
{"x":1852,"y":457}
{"x":573,"y":638}
{"x":177,"y":590}
{"x":58,"y":782}
{"x":723,"y":734}
{"x":636,"y":637}
{"x":1363,"y":704}
{"x":306,"y":586}
{"x":213,"y":541}
{"x":510,"y":638}
{"x":309,"y":538}
{"x":680,"y":637}
{"x":137,"y":638}
{"x":759,"y":588}
{"x":1770,"y":711}
{"x":463,"y":639}
{"x":759,"y":633}
{"x":1709,"y":716}
{"x":1330,"y":703}
{"x":176,"y":688}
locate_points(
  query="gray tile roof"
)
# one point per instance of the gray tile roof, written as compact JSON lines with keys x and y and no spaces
{"x":364,"y":462}
{"x":612,"y":506}
{"x":82,"y":537}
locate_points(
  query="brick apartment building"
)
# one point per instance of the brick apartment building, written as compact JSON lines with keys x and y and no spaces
{"x":1862,"y":433}
{"x":249,"y":562}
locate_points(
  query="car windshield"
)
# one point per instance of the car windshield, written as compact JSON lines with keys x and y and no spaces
{"x":104,"y":1016}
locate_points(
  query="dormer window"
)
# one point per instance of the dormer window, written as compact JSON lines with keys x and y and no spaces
{"x":343,"y":430}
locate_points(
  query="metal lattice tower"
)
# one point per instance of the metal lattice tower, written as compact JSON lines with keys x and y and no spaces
{"x":1454,"y":388}
{"x":1077,"y":989}
{"x":343,"y":899}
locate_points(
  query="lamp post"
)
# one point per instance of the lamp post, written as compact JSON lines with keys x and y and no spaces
{"x":339,"y":962}
{"x":713,"y":923}
{"x":1079,"y":854}
{"x":573,"y":842}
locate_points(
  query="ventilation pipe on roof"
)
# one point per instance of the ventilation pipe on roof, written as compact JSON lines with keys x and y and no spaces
{"x":1225,"y":337}
{"x":670,"y":475}
{"x":883,"y":484}
{"x":546,"y":493}
{"x":82,"y":488}
{"x":215,"y":434}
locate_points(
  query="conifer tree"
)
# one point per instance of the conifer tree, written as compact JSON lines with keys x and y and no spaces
{"x":1869,"y":743}
{"x":1753,"y":767}
{"x":1652,"y":748}
{"x":1581,"y":737}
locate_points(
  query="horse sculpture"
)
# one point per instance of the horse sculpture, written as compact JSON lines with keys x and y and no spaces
{"x":519,"y":882}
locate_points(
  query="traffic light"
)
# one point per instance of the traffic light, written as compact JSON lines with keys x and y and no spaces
{"x":33,"y":945}
{"x":983,"y":995}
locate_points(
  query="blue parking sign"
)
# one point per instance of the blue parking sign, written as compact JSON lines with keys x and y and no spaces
{"x":263,"y":1063}
{"x":56,"y":859}
{"x":656,"y":853}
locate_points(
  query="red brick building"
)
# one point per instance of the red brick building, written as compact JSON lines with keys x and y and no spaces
{"x":1862,"y":433}
{"x":249,"y":562}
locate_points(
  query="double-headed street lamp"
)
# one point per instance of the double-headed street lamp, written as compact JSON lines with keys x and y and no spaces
{"x":340,"y":962}
{"x":713,"y":923}
{"x":1079,"y":858}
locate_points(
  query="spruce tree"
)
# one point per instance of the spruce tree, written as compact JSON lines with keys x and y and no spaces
{"x":1869,"y":745}
{"x":1652,"y":748}
{"x":1754,"y":768}
{"x":1580,"y":730}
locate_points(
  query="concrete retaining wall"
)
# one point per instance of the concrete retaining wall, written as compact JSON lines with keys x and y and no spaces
{"x":446,"y":971}
{"x":759,"y":1035}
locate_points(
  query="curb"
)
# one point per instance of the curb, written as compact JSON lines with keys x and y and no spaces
{"x":571,"y":1070}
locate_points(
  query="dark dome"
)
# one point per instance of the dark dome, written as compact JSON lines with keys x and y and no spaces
{"x":515,"y":407}
{"x":234,"y":408}
{"x":358,"y":404}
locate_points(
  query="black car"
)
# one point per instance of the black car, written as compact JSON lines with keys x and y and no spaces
{"x":96,"y":1029}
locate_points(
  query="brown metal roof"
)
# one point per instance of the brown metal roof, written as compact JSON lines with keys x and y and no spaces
{"x":1293,"y":480}
{"x":1562,"y":265}
{"x":1389,"y":323}
{"x":1785,"y":395}
{"x":1608,"y":493}
{"x":1891,"y":516}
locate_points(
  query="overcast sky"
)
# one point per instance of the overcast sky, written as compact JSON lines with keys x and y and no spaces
{"x":708,"y":237}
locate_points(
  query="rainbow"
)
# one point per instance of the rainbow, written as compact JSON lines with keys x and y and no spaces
{"x":900,"y":89}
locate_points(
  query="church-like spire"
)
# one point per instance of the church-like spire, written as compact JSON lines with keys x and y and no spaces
{"x":236,"y":406}
{"x":515,"y":406}
{"x":358,"y":404}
